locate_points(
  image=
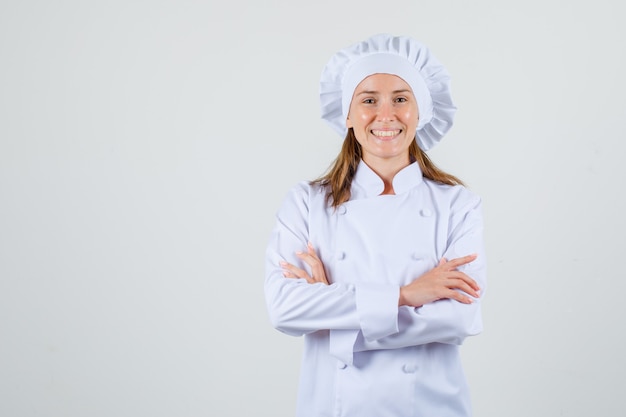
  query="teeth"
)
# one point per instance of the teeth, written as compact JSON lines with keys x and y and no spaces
{"x":385,"y":133}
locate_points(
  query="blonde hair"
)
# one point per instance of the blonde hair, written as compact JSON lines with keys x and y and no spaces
{"x":338,"y":178}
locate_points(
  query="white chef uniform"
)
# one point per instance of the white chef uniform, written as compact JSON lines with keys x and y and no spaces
{"x":364,"y":356}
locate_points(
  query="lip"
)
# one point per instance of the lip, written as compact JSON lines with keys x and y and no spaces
{"x":386,"y":134}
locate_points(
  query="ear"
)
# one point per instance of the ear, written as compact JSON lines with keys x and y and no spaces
{"x":348,"y":123}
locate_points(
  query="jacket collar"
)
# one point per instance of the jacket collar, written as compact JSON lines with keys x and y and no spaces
{"x":366,"y":183}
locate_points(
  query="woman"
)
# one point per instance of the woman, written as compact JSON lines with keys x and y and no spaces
{"x":380,"y":262}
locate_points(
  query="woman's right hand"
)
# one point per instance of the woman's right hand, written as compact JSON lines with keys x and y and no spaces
{"x":318,"y":273}
{"x":443,"y":281}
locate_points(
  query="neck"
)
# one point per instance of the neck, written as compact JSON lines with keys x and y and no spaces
{"x":387,"y":169}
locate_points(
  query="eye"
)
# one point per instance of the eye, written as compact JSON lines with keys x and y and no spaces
{"x":368,"y":101}
{"x":401,"y":100}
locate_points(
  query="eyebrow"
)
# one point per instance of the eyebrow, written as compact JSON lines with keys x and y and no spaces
{"x":378,"y":92}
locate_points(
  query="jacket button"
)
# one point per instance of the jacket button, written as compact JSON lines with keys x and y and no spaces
{"x":341,"y":256}
{"x":342,"y":210}
{"x":426,"y":212}
{"x":341,"y":365}
{"x":409,"y":368}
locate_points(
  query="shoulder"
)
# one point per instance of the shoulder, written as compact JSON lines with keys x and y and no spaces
{"x":302,"y":196}
{"x":458,"y":197}
{"x":306,"y":190}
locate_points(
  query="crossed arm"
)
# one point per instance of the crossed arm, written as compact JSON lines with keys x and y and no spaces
{"x":441,"y":282}
{"x":441,"y":305}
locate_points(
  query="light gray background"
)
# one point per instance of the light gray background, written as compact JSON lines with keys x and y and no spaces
{"x":145,"y":146}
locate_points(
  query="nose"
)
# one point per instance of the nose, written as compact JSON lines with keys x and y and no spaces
{"x":386,"y":111}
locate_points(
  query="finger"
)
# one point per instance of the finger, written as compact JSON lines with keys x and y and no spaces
{"x":465,"y":278}
{"x":288,"y":274}
{"x":319,"y":275}
{"x":311,"y":250}
{"x":317,"y":266}
{"x":465,"y":287}
{"x":455,"y":263}
{"x":293,"y":271}
{"x":311,"y":259}
{"x":460,"y":297}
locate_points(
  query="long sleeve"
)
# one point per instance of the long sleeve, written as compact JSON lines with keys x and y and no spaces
{"x":444,"y":321}
{"x":360,"y":349}
{"x":347,"y":307}
{"x":370,"y":247}
{"x":295,"y":306}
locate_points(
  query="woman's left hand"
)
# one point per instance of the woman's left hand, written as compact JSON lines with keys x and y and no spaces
{"x":318,"y":274}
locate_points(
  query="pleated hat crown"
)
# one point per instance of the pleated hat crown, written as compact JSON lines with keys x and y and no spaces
{"x":397,"y":55}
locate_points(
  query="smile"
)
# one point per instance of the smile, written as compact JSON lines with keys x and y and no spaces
{"x":385,"y":133}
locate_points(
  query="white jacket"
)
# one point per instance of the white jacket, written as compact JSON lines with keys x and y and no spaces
{"x":364,"y":356}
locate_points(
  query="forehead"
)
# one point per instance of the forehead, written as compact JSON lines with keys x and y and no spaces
{"x":382,"y":83}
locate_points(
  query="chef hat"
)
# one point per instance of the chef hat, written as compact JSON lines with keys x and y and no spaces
{"x":397,"y":55}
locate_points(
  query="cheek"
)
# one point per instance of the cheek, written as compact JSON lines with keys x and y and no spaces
{"x":411,"y":117}
{"x":410,"y":113}
{"x":358,"y":120}
{"x":364,"y":118}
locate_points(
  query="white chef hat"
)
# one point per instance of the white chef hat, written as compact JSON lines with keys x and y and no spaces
{"x":397,"y":55}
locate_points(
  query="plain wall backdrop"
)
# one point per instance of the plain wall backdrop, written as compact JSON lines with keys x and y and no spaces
{"x":146,"y":145}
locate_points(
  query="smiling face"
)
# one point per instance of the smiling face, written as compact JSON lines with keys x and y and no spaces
{"x":384,"y":116}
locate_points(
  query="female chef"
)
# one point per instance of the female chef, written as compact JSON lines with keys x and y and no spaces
{"x":380,"y":262}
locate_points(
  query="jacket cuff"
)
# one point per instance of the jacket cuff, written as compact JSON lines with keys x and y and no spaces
{"x":377,"y":307}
